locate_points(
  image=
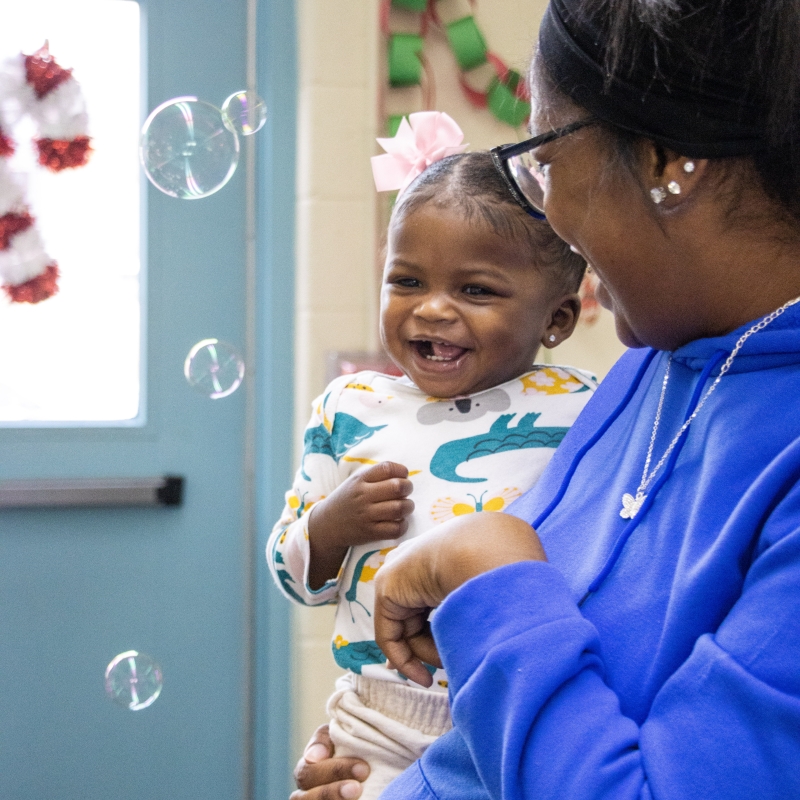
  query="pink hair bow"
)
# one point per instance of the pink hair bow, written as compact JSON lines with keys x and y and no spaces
{"x":422,"y":139}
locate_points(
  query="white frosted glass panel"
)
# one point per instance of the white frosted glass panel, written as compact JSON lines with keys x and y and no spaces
{"x":75,"y":358}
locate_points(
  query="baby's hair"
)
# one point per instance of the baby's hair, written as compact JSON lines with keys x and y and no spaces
{"x":471,"y":184}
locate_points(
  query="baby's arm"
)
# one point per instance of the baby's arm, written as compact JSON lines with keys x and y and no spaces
{"x":371,"y":505}
{"x":325,"y":515}
{"x":288,"y":551}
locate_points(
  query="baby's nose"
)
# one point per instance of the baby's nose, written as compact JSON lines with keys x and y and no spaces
{"x":436,"y":306}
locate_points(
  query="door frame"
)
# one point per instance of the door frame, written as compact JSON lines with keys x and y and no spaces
{"x":272,"y":67}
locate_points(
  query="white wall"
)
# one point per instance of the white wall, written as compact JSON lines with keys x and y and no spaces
{"x":338,"y":213}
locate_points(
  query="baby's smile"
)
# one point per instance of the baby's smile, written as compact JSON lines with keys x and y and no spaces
{"x":438,"y":350}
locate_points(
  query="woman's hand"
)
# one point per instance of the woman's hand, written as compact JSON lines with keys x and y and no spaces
{"x":419,"y":574}
{"x":321,"y":776}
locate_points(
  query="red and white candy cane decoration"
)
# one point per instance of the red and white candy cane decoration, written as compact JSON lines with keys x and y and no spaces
{"x":37,"y":86}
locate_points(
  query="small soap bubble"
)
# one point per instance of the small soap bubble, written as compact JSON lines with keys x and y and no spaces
{"x":133,"y":680}
{"x":186,"y":150}
{"x":214,"y":368}
{"x":244,"y":113}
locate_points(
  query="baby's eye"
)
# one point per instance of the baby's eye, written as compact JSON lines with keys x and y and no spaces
{"x":477,"y":291}
{"x":407,"y":283}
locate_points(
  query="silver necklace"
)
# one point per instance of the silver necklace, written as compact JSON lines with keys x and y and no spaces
{"x":632,"y":503}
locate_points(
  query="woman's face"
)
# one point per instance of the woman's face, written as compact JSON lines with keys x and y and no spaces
{"x":604,"y":212}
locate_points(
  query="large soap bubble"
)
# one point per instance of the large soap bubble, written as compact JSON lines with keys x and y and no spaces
{"x":244,"y":113}
{"x":214,"y":368}
{"x":133,"y":680}
{"x":186,"y":150}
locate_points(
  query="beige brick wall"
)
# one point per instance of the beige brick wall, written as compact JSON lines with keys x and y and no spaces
{"x":336,"y":274}
{"x":340,"y":70}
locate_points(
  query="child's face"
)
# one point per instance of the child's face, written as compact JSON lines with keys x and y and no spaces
{"x":462,"y":309}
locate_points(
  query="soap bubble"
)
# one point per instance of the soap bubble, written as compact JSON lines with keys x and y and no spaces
{"x":186,"y":151}
{"x":244,"y":113}
{"x":133,"y":680}
{"x":214,"y":368}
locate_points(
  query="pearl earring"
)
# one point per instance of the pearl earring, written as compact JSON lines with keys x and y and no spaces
{"x":674,"y":187}
{"x":552,"y":337}
{"x":658,"y":194}
{"x":688,"y":166}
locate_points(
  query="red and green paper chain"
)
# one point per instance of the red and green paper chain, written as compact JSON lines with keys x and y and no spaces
{"x":506,"y":95}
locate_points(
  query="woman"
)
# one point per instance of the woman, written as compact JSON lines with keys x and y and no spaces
{"x":645,"y":641}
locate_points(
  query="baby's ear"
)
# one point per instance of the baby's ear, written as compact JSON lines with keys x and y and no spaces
{"x":563,"y":319}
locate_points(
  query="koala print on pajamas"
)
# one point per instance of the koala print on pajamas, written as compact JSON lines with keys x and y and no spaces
{"x":464,"y":409}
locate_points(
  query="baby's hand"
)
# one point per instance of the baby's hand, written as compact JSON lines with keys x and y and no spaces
{"x":369,"y":506}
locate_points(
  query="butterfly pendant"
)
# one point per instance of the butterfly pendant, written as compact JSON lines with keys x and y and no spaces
{"x":631,"y":505}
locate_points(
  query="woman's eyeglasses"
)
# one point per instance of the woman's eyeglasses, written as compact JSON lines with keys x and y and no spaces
{"x":523,"y":174}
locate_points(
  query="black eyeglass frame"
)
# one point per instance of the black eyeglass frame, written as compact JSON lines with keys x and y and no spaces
{"x":502,"y":153}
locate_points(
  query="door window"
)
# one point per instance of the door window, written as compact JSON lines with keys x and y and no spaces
{"x":76,"y":358}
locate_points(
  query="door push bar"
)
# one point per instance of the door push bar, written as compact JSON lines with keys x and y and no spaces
{"x":166,"y":490}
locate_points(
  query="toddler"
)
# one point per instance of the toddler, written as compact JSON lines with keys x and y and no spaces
{"x":472,"y":288}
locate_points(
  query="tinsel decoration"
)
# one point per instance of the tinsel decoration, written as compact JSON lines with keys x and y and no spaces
{"x":6,"y":145}
{"x":42,"y":72}
{"x":58,"y":154}
{"x":36,"y":86}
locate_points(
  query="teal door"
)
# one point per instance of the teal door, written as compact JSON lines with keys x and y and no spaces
{"x":183,"y":584}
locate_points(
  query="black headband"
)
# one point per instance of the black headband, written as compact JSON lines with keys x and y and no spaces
{"x":697,"y":116}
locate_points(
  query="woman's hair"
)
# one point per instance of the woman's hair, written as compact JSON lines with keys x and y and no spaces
{"x":470,"y":184}
{"x":713,"y":51}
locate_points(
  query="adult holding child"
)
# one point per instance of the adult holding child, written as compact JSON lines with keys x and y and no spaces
{"x":643,"y":643}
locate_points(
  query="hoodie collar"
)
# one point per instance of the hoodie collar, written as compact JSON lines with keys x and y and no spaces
{"x":775,"y":346}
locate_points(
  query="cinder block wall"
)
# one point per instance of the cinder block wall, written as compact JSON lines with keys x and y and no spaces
{"x":336,"y":274}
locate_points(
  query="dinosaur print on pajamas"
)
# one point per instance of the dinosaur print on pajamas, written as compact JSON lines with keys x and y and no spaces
{"x":499,"y":438}
{"x":347,"y":433}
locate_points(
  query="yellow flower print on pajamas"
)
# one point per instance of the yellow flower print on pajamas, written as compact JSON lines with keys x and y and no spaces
{"x":551,"y":380}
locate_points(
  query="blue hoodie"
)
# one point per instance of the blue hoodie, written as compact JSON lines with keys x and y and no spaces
{"x":679,"y":674}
